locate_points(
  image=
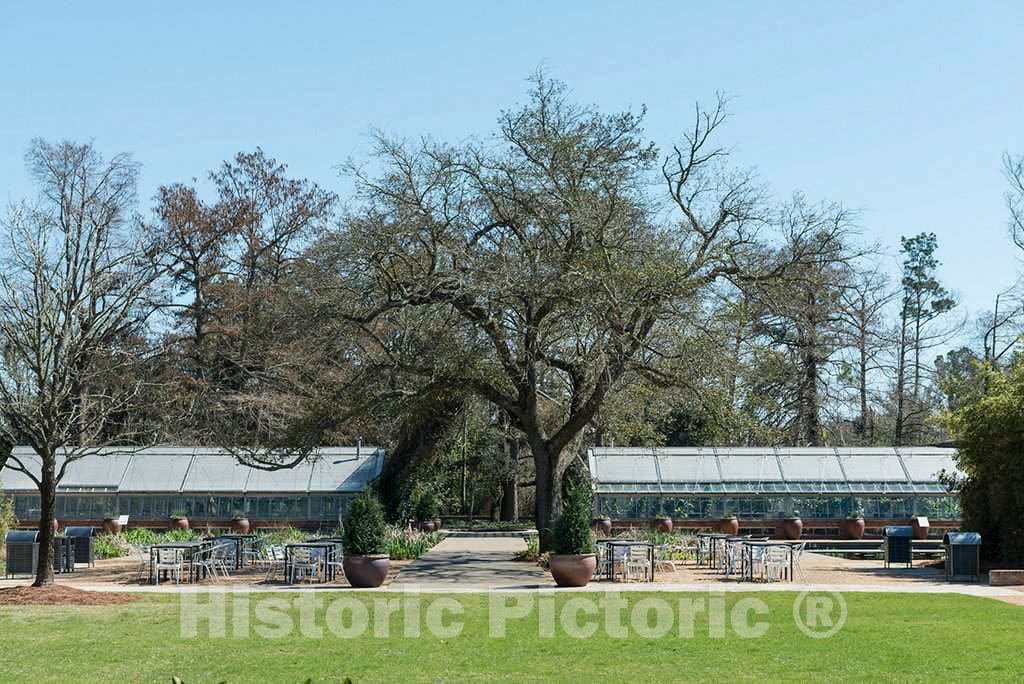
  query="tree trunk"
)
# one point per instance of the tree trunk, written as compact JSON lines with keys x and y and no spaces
{"x":548,"y":494}
{"x":862,"y":388}
{"x":901,"y":379}
{"x":809,"y":423}
{"x":510,"y":499}
{"x":510,"y":482}
{"x":47,"y":501}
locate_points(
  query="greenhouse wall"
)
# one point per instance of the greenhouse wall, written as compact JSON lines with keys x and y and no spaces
{"x":620,"y":507}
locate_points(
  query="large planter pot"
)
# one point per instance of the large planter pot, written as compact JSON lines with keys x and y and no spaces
{"x":663,"y":525}
{"x":111,"y":526}
{"x":241,"y":526}
{"x":570,"y":570}
{"x":603,"y":526}
{"x":437,"y":524}
{"x":179,"y":524}
{"x":427,"y":526}
{"x":54,"y":526}
{"x":729,"y":526}
{"x":366,"y":572}
{"x":792,"y":528}
{"x":854,"y":528}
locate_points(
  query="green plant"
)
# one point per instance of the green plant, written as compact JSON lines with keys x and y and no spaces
{"x":729,"y":515}
{"x":282,"y":535}
{"x":427,"y":506}
{"x":572,"y":534}
{"x":140,"y":536}
{"x":793,"y":514}
{"x":8,"y":521}
{"x":406,"y":544}
{"x":178,"y":515}
{"x":111,"y":546}
{"x":364,"y":526}
{"x":532,"y":552}
{"x":855,"y":515}
{"x":238,"y":515}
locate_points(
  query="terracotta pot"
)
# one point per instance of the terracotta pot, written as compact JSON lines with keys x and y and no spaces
{"x":854,"y":528}
{"x":366,"y":572}
{"x":603,"y":526}
{"x":663,"y":525}
{"x":54,"y":526}
{"x":792,"y":528}
{"x":729,"y":526}
{"x":437,"y":524}
{"x":241,"y":526}
{"x":570,"y":570}
{"x":111,"y":526}
{"x":427,"y":526}
{"x":179,"y":524}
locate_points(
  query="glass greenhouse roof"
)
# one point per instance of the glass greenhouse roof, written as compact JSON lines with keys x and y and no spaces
{"x":198,"y":469}
{"x":784,"y":470}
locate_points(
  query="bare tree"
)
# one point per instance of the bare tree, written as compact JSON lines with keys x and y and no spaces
{"x":71,"y":299}
{"x":1013,"y":168}
{"x":863,"y":313}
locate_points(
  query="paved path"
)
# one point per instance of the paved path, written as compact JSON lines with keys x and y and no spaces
{"x":472,"y":563}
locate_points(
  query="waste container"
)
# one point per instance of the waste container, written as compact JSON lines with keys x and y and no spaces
{"x":84,"y":546}
{"x":898,"y":548}
{"x":963,"y":556}
{"x":22,"y":552}
{"x":63,"y":554}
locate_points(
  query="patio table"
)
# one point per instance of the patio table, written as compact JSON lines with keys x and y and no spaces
{"x":714,"y":538}
{"x":240,"y":541}
{"x":326,"y":547}
{"x":188,"y":549}
{"x":748,"y":555}
{"x":611,"y":544}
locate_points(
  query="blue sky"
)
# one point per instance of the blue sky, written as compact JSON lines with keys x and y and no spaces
{"x":901,"y":110}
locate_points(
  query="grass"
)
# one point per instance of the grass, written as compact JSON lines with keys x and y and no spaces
{"x":886,"y":636}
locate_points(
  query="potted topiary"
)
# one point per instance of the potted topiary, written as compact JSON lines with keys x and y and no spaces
{"x":573,"y":562}
{"x":111,"y":523}
{"x":366,"y":562}
{"x":729,"y":524}
{"x":792,"y":526}
{"x":427,"y":511}
{"x":663,"y":524}
{"x":603,"y":525}
{"x":179,"y":521}
{"x":854,"y":525}
{"x":240,"y":523}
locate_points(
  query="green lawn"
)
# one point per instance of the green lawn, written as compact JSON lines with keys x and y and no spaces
{"x":886,"y":636}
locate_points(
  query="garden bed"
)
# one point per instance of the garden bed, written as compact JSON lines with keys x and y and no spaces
{"x":59,"y":595}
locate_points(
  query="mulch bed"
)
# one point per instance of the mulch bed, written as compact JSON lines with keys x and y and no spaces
{"x":61,"y":595}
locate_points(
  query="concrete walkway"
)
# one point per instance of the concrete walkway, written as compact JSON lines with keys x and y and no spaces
{"x":473,"y":564}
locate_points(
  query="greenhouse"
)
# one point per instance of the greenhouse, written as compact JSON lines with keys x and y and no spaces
{"x":823,"y":485}
{"x":204,"y":484}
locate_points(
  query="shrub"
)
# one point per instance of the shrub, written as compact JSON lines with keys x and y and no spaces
{"x":111,"y":546}
{"x":572,"y":529}
{"x":989,"y":429}
{"x":532,"y":552}
{"x":364,"y":526}
{"x":7,"y":522}
{"x":140,"y":536}
{"x":427,"y":507}
{"x":283,"y":535}
{"x":405,"y":544}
